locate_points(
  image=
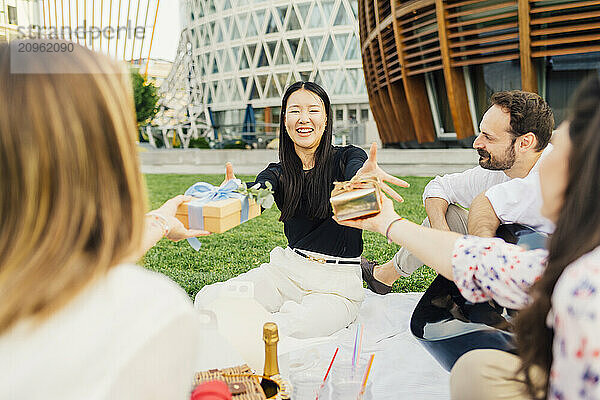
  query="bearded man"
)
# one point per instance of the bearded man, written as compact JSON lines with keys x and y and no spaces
{"x":504,"y":188}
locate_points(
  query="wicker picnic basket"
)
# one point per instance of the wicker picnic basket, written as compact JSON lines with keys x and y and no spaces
{"x":242,"y":384}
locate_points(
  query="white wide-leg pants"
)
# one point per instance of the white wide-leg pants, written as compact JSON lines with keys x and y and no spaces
{"x":307,"y":298}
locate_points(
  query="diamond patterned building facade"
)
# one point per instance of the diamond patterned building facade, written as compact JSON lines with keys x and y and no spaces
{"x":246,"y":52}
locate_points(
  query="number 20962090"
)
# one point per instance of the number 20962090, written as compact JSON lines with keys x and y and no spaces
{"x":45,"y":47}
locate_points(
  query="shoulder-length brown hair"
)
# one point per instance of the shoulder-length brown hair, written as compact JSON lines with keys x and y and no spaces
{"x":577,"y":232}
{"x":72,"y":197}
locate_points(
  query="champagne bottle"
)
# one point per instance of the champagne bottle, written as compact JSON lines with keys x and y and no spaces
{"x":271,"y":369}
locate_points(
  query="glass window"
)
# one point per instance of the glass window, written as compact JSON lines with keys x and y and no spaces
{"x":262,"y":58}
{"x":272,"y":91}
{"x":226,"y":28}
{"x":215,"y":67}
{"x":329,"y":78}
{"x":437,"y":89}
{"x":339,"y":114}
{"x":327,"y":9}
{"x":212,"y":28}
{"x":253,"y":91}
{"x":353,"y":49}
{"x":281,"y":58}
{"x":316,"y":20}
{"x":354,"y":5}
{"x":272,"y":25}
{"x":563,"y":75}
{"x":276,"y":114}
{"x":488,"y":79}
{"x":282,"y":79}
{"x":352,"y":114}
{"x":218,"y":34}
{"x":262,"y":79}
{"x":242,"y":22}
{"x":293,"y":22}
{"x":293,"y":43}
{"x":271,"y":47}
{"x":342,"y":87}
{"x":315,"y":42}
{"x":330,"y":53}
{"x":341,"y":42}
{"x":342,"y":16}
{"x":304,"y":53}
{"x":361,"y":87}
{"x":260,"y":19}
{"x":303,"y":8}
{"x":251,"y":52}
{"x":364,"y":115}
{"x":282,"y":11}
{"x":252,"y":30}
{"x":211,"y":6}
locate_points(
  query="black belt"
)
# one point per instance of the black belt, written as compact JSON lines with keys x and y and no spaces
{"x":324,"y":261}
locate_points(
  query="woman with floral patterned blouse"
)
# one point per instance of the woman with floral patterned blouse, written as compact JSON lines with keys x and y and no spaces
{"x":558,"y":290}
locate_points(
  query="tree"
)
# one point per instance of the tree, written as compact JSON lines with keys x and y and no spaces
{"x":146,"y":98}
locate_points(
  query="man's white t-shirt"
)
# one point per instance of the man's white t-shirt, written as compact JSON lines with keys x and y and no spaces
{"x":132,"y":334}
{"x":516,"y":200}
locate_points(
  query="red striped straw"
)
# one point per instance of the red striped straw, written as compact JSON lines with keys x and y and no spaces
{"x":330,"y":364}
{"x":327,"y":373}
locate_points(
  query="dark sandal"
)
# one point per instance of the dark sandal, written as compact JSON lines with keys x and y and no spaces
{"x":367,"y":274}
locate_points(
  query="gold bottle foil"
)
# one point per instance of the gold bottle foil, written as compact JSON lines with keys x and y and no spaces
{"x":356,"y":203}
{"x":270,"y":337}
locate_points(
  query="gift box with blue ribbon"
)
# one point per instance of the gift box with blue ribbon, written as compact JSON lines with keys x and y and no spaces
{"x":216,"y":208}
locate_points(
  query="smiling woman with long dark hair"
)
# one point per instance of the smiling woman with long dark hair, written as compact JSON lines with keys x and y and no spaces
{"x":313,"y":287}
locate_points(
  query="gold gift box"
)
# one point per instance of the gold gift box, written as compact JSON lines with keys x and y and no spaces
{"x":219,"y":216}
{"x":356,"y":203}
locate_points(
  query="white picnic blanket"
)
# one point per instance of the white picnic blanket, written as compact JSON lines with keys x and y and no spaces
{"x":402,"y":368}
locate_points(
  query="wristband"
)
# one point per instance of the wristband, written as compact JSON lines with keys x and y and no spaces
{"x":387,"y":231}
{"x":164,"y":224}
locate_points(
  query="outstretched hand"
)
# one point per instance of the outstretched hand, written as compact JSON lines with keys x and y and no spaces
{"x":177,"y":231}
{"x":229,"y":175}
{"x":371,"y":169}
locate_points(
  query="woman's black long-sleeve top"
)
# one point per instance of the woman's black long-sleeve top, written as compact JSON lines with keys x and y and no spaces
{"x":323,"y":236}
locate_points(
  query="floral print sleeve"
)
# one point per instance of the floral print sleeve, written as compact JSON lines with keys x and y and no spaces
{"x":489,"y":268}
{"x":575,"y":317}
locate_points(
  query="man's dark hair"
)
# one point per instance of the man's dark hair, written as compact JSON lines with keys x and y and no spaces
{"x":528,"y":113}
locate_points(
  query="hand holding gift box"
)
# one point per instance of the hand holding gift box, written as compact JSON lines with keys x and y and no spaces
{"x":358,"y":197}
{"x":361,"y":196}
{"x":219,"y":208}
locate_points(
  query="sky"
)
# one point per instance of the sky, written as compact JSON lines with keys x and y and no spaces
{"x":166,"y":35}
{"x":168,"y":27}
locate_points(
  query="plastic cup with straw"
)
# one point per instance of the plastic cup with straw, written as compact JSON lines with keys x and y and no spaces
{"x":366,"y":377}
{"x":357,"y":348}
{"x":327,"y":373}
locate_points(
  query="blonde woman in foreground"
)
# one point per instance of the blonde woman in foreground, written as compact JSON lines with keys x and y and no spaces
{"x":78,"y":320}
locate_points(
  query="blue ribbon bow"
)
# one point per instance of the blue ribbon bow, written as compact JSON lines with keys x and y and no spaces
{"x":204,"y":193}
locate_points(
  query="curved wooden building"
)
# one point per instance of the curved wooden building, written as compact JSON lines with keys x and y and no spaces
{"x":431,"y":65}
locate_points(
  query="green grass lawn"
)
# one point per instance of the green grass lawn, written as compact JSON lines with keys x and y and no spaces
{"x":226,"y":255}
